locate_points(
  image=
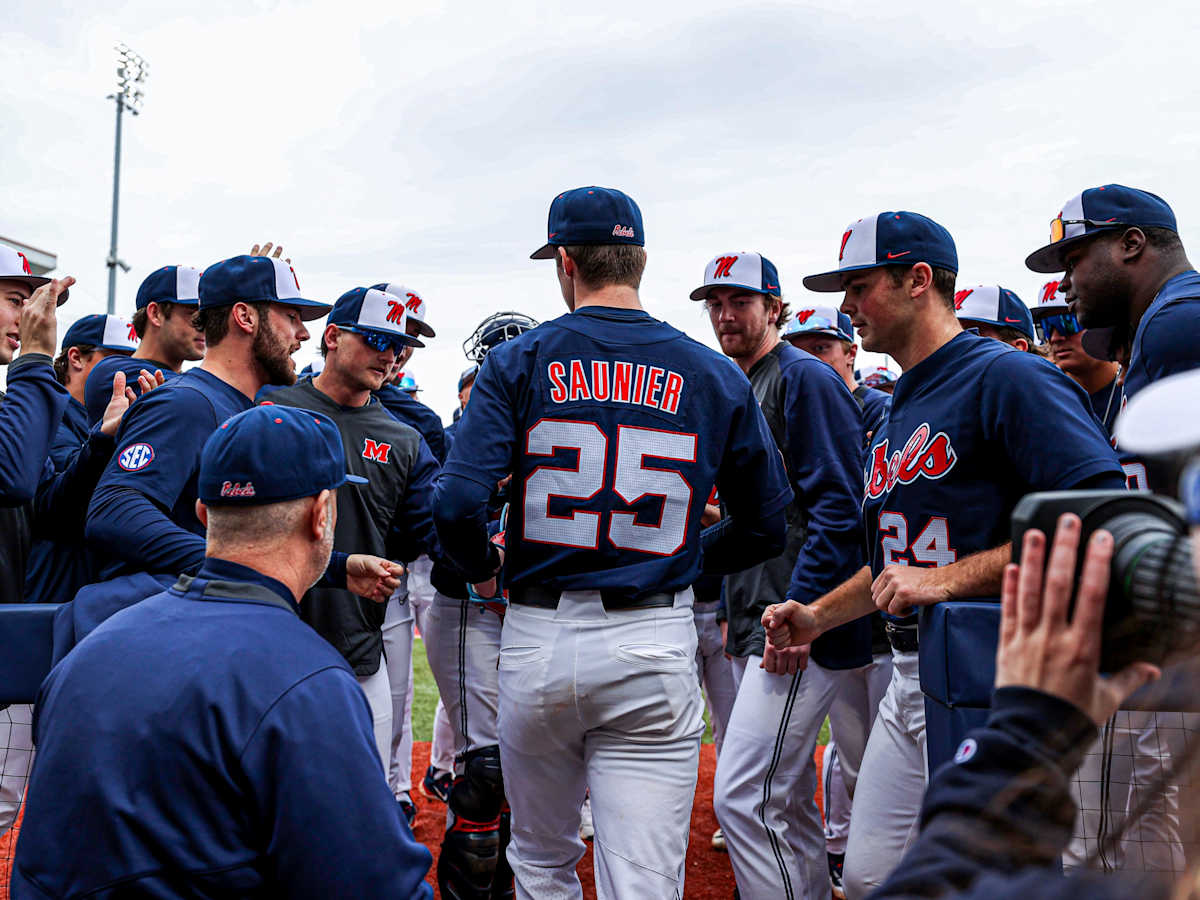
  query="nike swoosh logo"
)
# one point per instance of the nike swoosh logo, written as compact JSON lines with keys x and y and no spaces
{"x":1015,"y":321}
{"x":898,"y":255}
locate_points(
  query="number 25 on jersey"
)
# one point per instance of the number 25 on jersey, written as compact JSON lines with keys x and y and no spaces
{"x":631,"y":480}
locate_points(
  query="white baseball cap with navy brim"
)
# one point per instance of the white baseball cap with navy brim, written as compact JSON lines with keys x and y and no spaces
{"x":990,"y":304}
{"x":14,"y":266}
{"x":414,"y":304}
{"x":746,"y":270}
{"x":891,"y":238}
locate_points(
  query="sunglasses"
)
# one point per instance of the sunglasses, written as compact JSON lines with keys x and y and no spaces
{"x":1058,"y":227}
{"x":1064,"y":323}
{"x":379,"y":341}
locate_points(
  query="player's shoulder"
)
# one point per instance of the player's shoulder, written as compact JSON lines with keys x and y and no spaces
{"x":798,"y":364}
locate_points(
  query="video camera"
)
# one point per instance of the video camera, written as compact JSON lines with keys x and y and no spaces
{"x":1153,"y":606}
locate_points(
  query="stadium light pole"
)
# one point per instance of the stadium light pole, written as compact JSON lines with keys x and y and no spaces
{"x":131,"y":75}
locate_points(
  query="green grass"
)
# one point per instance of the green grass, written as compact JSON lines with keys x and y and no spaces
{"x":425,"y":696}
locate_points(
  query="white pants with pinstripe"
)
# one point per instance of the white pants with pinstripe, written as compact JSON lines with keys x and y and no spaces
{"x":766,"y":780}
{"x":463,"y":647}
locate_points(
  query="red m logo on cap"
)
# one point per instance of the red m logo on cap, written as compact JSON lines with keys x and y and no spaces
{"x":804,"y":315}
{"x":132,"y":333}
{"x":842,"y":249}
{"x":395,"y":311}
{"x":377,"y":452}
{"x":25,"y":263}
{"x":414,"y":302}
{"x":961,"y":297}
{"x":724,"y":266}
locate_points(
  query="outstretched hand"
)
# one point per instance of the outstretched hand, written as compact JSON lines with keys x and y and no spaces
{"x":372,"y":577}
{"x":1039,"y":647}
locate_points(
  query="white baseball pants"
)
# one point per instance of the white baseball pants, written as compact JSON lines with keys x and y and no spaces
{"x":766,"y":779}
{"x":610,"y":701}
{"x":891,"y":782}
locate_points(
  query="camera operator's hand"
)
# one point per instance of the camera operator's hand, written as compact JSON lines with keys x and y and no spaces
{"x":1039,"y":648}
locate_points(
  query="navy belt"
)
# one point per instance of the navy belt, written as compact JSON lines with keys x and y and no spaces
{"x":612,"y":598}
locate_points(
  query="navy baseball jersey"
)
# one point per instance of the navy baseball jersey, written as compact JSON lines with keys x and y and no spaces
{"x":875,"y":405}
{"x":615,"y":426}
{"x":1166,"y":341}
{"x":97,"y":391}
{"x":143,"y":512}
{"x":418,"y":415}
{"x":972,"y":429}
{"x":58,"y":566}
{"x":206,"y":742}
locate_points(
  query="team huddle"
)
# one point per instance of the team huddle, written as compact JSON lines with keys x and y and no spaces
{"x":621,"y":526}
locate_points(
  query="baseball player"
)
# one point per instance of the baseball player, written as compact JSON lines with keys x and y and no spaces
{"x":462,"y":642}
{"x":1129,"y":283}
{"x":142,"y":515}
{"x":363,"y":335}
{"x":965,"y":438}
{"x":36,"y":501}
{"x":1125,"y":270}
{"x":164,"y":333}
{"x":827,"y":334}
{"x":1061,"y":332}
{"x":206,"y":742}
{"x":58,"y":567}
{"x":765,"y":778}
{"x":997,"y":313}
{"x":410,"y":603}
{"x":465,"y":381}
{"x":614,"y":427}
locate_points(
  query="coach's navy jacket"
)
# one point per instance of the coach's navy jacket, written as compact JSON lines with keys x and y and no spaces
{"x":207,"y":743}
{"x":996,"y":821}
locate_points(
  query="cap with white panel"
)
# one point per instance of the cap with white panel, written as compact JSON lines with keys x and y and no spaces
{"x":1051,"y":301}
{"x":367,"y":309}
{"x":256,"y":279}
{"x":991,"y":304}
{"x":414,"y":303}
{"x":1105,"y":208}
{"x":15,"y":267}
{"x":170,"y":284}
{"x":878,"y":375}
{"x":888,"y":239}
{"x":105,"y":332}
{"x":820,"y":320}
{"x":746,"y":270}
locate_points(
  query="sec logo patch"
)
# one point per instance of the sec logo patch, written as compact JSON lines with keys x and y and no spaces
{"x":966,"y":751}
{"x":135,"y":457}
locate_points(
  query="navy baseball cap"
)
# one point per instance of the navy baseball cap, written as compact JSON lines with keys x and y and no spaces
{"x":820,"y":320}
{"x":751,"y":271}
{"x":256,"y":279}
{"x":371,"y":310}
{"x":1099,"y":209}
{"x":240,"y":463}
{"x":170,"y":284}
{"x":468,"y":375}
{"x":591,"y":215}
{"x":991,"y":304}
{"x":878,"y":375}
{"x":105,"y":332}
{"x":888,"y":239}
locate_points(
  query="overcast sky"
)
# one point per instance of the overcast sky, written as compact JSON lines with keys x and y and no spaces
{"x":421,"y":143}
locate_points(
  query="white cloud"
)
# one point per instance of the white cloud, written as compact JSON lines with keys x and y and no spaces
{"x":422,"y":143}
